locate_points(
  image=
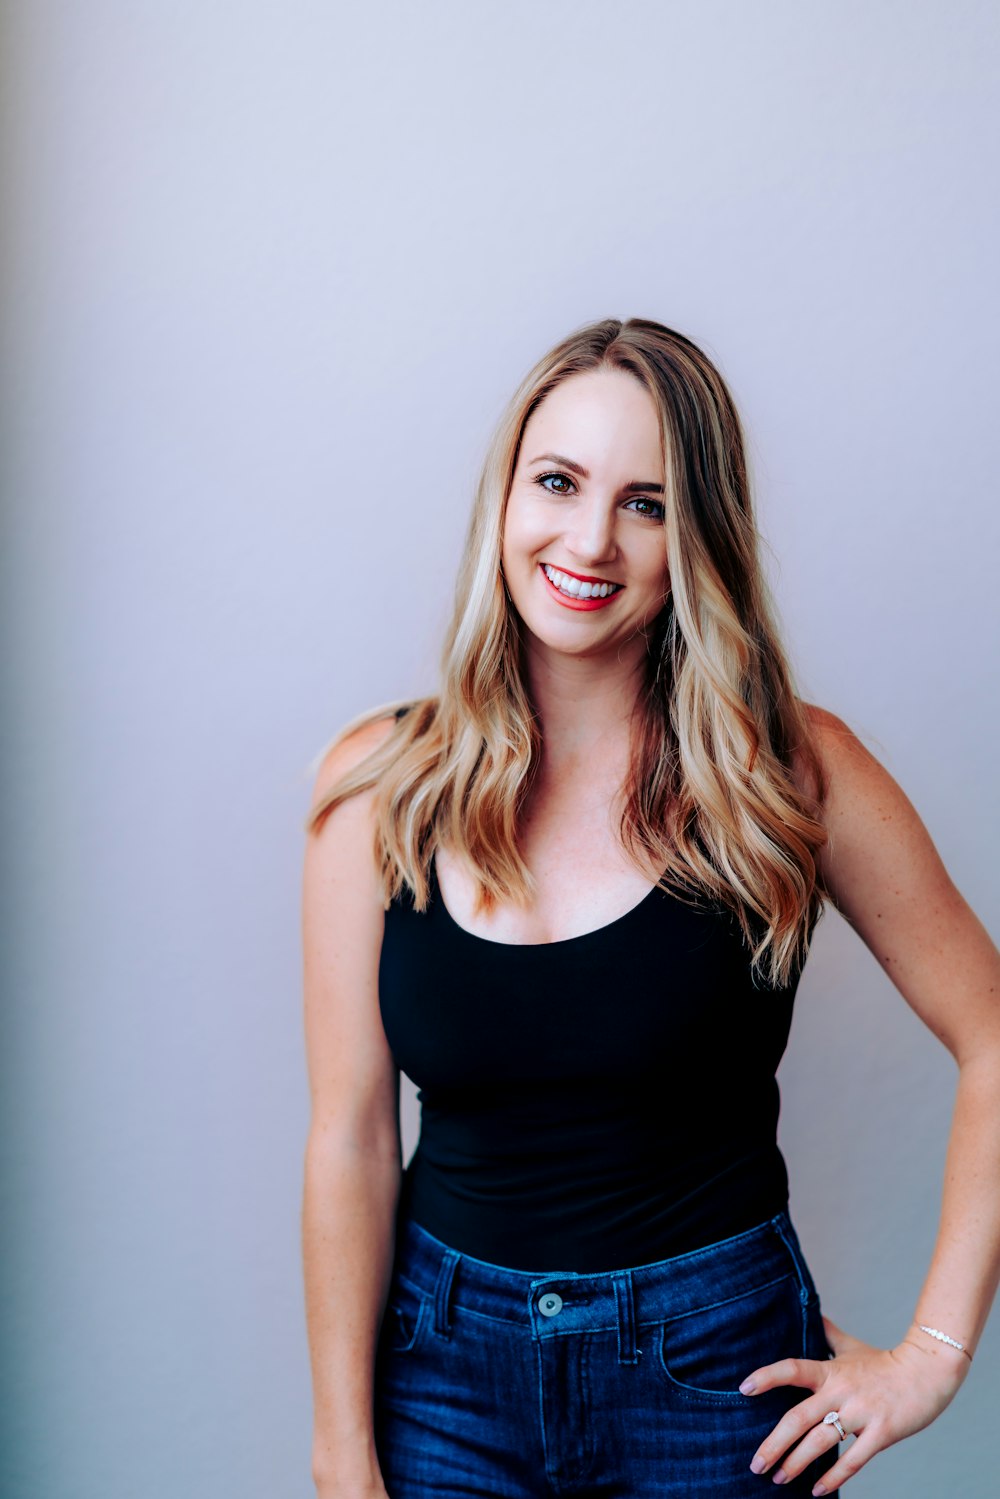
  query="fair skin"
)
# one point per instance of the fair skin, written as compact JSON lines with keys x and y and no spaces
{"x":353,"y":1166}
{"x":582,"y":664}
{"x":879,"y":863}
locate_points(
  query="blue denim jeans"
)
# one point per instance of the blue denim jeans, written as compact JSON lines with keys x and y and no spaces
{"x":618,"y":1385}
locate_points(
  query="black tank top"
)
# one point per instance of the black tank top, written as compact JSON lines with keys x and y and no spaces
{"x":603,"y":1101}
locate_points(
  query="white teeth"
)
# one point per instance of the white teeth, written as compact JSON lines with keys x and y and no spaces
{"x":575,"y":588}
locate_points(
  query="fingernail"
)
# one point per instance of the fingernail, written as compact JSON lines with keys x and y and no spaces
{"x":748,"y":1386}
{"x":818,"y":1490}
{"x":758,"y":1465}
{"x":780,"y":1476}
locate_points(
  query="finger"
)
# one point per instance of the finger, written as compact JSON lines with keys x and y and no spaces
{"x":795,"y":1423}
{"x":852,"y":1461}
{"x":818,"y":1441}
{"x":804,"y":1373}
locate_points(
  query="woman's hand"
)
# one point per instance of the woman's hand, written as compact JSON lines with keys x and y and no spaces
{"x":880,"y":1394}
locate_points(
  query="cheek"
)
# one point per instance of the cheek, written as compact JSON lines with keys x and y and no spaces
{"x":512,"y":560}
{"x":509,"y":554}
{"x":520,"y":540}
{"x":653,"y":569}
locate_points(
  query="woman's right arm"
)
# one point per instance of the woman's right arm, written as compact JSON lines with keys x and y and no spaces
{"x":353,"y":1164}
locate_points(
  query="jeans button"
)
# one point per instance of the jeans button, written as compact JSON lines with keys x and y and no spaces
{"x":550,"y":1304}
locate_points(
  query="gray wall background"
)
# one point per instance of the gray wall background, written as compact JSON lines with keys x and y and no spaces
{"x":269,"y":273}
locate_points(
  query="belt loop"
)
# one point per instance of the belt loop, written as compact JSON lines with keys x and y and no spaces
{"x":442,"y":1292}
{"x":624,"y":1296}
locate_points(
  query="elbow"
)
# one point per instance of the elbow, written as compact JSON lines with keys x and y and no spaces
{"x":980,"y":1058}
{"x":333,"y":1145}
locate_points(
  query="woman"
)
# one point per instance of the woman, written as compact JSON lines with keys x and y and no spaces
{"x":571,"y":896}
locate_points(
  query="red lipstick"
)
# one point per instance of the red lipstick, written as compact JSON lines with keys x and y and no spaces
{"x":570,"y":603}
{"x":583,"y":577}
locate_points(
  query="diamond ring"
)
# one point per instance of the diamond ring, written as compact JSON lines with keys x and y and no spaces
{"x":832,"y":1418}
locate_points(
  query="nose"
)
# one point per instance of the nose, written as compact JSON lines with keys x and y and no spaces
{"x":591,"y":534}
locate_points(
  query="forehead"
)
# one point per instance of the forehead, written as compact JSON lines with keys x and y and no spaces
{"x":601,"y":419}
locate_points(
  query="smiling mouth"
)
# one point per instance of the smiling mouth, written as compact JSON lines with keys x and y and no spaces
{"x":572,"y":586}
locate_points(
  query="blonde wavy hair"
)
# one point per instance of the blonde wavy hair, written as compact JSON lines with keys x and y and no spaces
{"x":710,"y":798}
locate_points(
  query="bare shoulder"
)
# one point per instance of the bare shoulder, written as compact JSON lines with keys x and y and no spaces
{"x":348,"y":749}
{"x":825,"y":724}
{"x":340,"y":849}
{"x":886,"y":877}
{"x":879,"y":862}
{"x":836,"y":747}
{"x":859,"y":796}
{"x":857,"y":789}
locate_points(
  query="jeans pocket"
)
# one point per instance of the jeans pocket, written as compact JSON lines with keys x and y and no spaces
{"x":407,"y":1315}
{"x":817,"y":1346}
{"x":706,"y":1353}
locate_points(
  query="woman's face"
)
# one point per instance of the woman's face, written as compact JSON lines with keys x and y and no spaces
{"x":584,"y":553}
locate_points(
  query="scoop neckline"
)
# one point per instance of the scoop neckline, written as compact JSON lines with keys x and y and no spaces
{"x":597,"y":931}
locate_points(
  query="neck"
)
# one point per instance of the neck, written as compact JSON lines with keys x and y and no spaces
{"x":584,"y":703}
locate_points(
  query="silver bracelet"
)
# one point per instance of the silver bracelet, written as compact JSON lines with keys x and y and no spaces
{"x":943,"y":1337}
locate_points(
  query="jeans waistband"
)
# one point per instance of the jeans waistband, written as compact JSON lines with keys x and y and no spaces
{"x":558,"y":1302}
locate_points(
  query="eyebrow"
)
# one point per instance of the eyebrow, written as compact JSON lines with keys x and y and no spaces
{"x":578,"y":468}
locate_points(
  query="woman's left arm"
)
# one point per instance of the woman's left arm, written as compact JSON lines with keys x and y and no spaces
{"x":887,"y":879}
